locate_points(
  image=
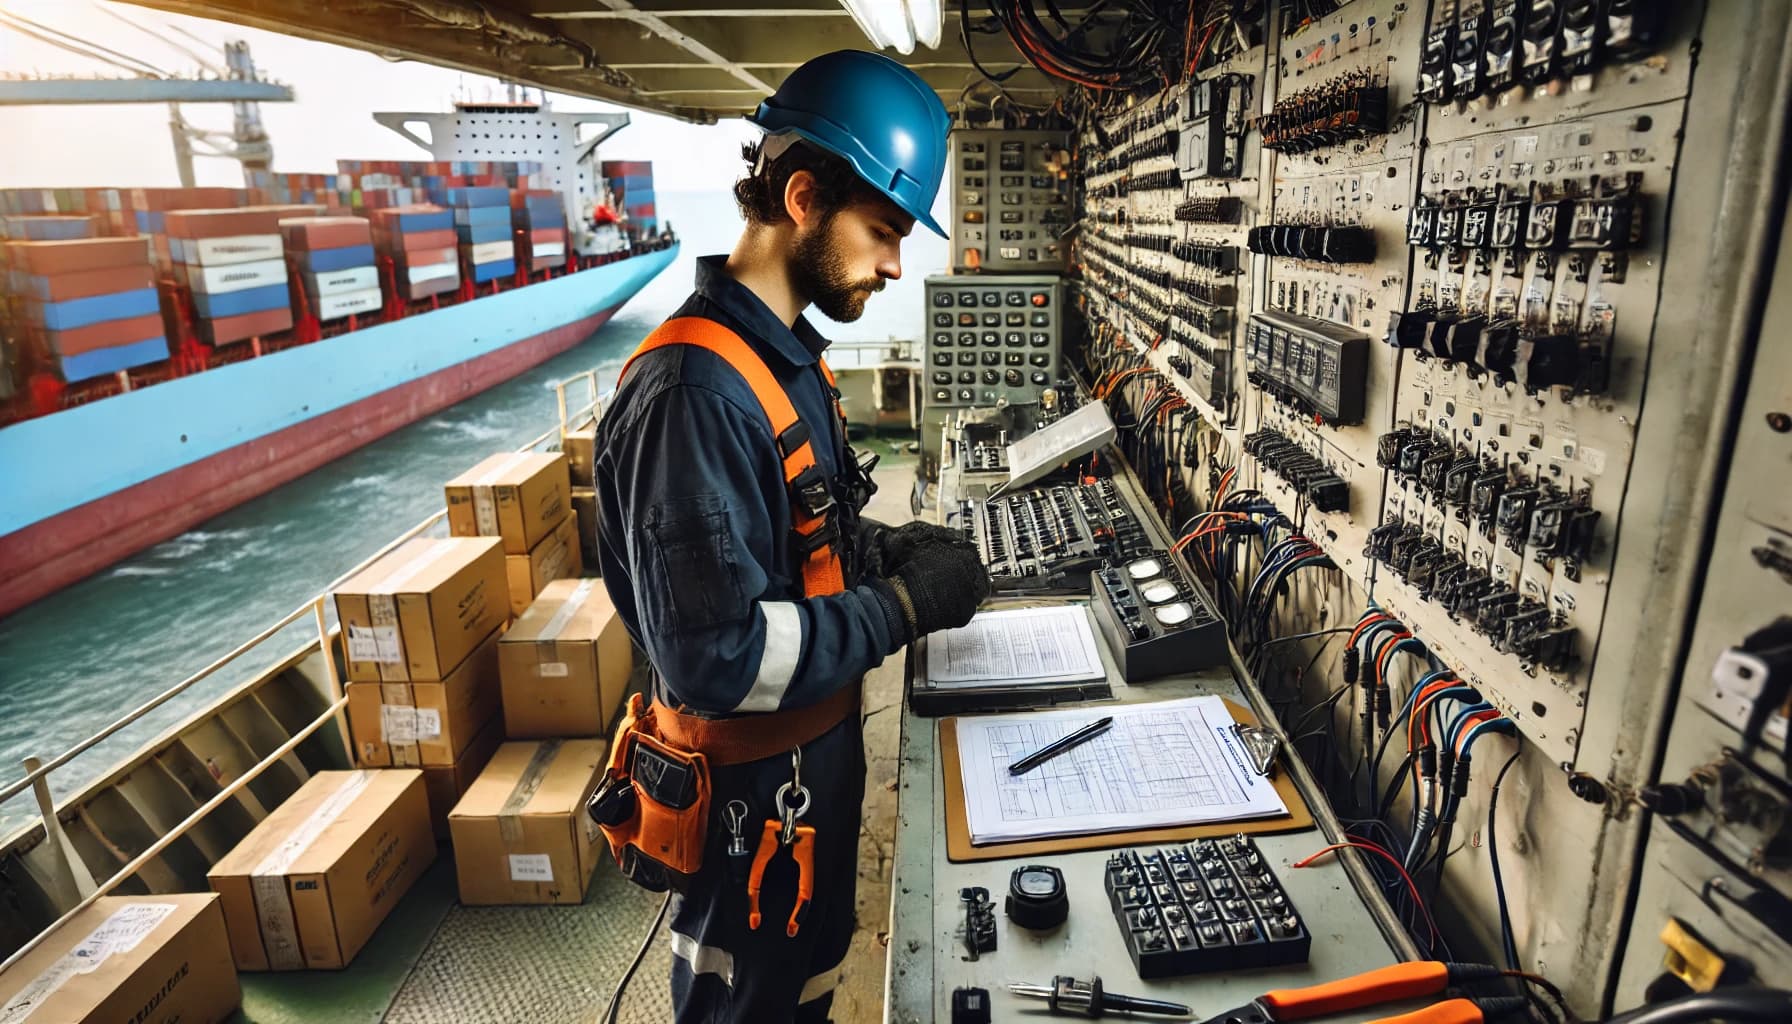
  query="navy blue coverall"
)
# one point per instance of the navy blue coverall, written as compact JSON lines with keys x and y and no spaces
{"x":695,"y":540}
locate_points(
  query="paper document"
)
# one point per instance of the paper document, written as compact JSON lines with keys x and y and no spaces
{"x":1016,"y":645}
{"x":1174,"y":762}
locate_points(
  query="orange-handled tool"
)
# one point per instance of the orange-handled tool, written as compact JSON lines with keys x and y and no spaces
{"x":1383,"y":985}
{"x":802,"y":850}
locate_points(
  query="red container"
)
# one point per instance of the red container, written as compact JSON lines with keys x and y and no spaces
{"x":548,"y":235}
{"x":311,"y":233}
{"x":183,"y":198}
{"x":84,"y":284}
{"x":77,"y":254}
{"x":427,"y":257}
{"x":225,"y":330}
{"x":109,"y":334}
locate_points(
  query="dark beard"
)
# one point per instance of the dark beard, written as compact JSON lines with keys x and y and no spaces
{"x":819,"y":273}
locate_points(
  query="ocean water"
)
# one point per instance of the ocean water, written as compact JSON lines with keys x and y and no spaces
{"x":73,"y":662}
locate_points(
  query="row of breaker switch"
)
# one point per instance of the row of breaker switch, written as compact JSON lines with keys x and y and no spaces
{"x":1012,"y":378}
{"x":1502,"y":347}
{"x":968,"y":297}
{"x":1328,"y":491}
{"x":1515,"y":624}
{"x":1537,"y":516}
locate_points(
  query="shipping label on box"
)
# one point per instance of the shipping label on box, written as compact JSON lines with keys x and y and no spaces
{"x":415,"y":614}
{"x":556,"y":557}
{"x":518,"y":496}
{"x":128,"y":958}
{"x":565,"y":663}
{"x":519,"y":832}
{"x":412,"y":725}
{"x":306,"y":888}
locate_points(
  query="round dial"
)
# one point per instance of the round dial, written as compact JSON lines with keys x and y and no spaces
{"x":1174,"y":614}
{"x":1144,"y":569}
{"x":1159,"y":591}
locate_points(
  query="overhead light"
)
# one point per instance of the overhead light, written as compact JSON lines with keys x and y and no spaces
{"x":897,"y":24}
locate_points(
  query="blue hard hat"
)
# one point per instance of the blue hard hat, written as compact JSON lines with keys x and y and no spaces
{"x":873,"y":113}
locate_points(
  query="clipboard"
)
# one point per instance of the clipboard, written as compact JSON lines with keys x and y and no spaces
{"x":958,"y":823}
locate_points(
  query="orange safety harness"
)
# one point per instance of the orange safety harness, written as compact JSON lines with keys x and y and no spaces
{"x":813,"y":514}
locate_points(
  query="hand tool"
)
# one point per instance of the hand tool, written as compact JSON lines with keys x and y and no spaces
{"x":786,"y":832}
{"x":1072,"y":998}
{"x":1382,"y":985}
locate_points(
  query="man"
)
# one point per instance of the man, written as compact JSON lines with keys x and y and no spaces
{"x":732,"y":545}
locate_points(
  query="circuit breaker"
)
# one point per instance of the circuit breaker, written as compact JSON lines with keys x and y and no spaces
{"x":991,"y":339}
{"x":1010,"y":200}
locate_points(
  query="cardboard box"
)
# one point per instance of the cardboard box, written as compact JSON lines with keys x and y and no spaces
{"x":556,"y":557}
{"x":584,"y":510}
{"x":521,"y":834}
{"x":414,"y":615}
{"x":128,"y":958}
{"x":565,"y":664}
{"x":413,"y":725}
{"x":447,"y":784}
{"x":306,"y":888}
{"x":580,"y":446}
{"x":518,"y":496}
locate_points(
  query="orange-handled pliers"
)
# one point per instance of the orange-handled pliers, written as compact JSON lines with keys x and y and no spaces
{"x":1382,"y":985}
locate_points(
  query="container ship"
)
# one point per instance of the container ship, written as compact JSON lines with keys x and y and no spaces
{"x":167,"y":354}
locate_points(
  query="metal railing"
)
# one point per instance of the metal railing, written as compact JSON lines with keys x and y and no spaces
{"x":37,"y":774}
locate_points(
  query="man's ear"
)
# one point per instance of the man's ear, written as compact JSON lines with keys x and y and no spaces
{"x":799,"y":197}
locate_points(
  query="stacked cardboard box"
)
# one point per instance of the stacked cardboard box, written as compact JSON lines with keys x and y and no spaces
{"x":420,"y":242}
{"x":128,"y":958}
{"x":332,"y":258}
{"x":565,"y":663}
{"x":85,"y":307}
{"x":524,"y":499}
{"x":580,"y":445}
{"x":421,"y":626}
{"x":233,"y":265}
{"x":307,"y":887}
{"x":540,"y":219}
{"x":482,"y":222}
{"x":521,"y":834}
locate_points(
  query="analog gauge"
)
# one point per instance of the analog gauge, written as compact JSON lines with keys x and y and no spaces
{"x":1173,"y":614}
{"x":1159,"y":591}
{"x":1144,"y":569}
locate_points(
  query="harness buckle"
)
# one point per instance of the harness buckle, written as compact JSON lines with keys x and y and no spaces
{"x":809,"y":489}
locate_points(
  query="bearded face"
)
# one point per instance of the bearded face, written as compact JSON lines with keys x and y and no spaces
{"x":842,"y":260}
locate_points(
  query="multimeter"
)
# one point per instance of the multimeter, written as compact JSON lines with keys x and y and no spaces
{"x":1036,"y":897}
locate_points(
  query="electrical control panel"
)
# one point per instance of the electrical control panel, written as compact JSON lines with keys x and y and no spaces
{"x":991,"y":339}
{"x":1157,"y":621}
{"x":1010,"y":200}
{"x":1048,"y":539}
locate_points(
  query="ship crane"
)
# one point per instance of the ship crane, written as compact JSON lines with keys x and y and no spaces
{"x":237,"y":83}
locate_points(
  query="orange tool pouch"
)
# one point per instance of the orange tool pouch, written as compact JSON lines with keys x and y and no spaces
{"x":653,"y":805}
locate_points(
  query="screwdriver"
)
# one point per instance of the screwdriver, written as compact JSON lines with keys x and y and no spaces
{"x":1073,"y":998}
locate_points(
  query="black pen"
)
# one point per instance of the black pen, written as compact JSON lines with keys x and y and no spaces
{"x":1060,"y":745}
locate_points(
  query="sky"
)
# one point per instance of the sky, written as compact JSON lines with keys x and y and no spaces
{"x":336,"y":91}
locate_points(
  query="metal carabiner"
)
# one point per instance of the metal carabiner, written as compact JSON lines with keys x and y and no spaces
{"x":789,"y":815}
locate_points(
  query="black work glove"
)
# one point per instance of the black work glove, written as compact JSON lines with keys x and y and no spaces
{"x":884,"y":549}
{"x":939,"y":587}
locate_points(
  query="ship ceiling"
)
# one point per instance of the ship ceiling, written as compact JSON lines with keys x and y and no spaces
{"x":698,"y":60}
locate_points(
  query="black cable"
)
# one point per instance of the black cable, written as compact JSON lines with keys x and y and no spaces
{"x":1734,"y":1005}
{"x":1493,"y":860}
{"x":964,"y":34}
{"x":615,"y":1006}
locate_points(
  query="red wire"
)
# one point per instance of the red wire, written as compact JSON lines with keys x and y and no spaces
{"x":1358,"y":843}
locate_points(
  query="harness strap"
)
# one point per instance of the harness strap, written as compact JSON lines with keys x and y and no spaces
{"x":812,"y":513}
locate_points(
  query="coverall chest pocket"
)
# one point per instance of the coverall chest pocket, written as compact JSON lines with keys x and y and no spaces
{"x":693,"y":577}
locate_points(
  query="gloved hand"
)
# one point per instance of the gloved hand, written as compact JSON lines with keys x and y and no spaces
{"x":884,"y":549}
{"x":939,"y":587}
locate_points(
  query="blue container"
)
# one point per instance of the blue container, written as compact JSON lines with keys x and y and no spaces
{"x":477,"y":234}
{"x":483,"y":272}
{"x":326,"y":261}
{"x":482,"y":195}
{"x":69,"y":314}
{"x":476,"y":215}
{"x":249,"y":300}
{"x":425,"y":220}
{"x":103,"y":361}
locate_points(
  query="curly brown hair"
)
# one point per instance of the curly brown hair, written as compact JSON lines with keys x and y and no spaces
{"x":760,"y":195}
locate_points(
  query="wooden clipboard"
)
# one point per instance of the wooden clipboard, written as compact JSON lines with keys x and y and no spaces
{"x":958,"y":823}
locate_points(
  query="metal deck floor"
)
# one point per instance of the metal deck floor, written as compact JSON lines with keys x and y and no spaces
{"x":434,"y":961}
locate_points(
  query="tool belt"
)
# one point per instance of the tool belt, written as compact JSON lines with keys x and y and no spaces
{"x":653,"y":805}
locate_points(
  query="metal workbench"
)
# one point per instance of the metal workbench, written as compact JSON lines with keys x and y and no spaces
{"x":927,"y":954}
